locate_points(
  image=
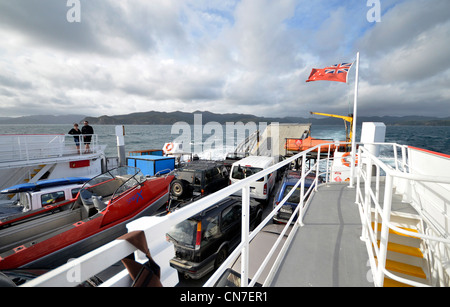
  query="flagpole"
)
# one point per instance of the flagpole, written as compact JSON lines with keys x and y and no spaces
{"x":355,"y":108}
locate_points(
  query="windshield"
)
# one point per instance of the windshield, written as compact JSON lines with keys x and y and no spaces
{"x":241,"y":172}
{"x":295,"y":197}
{"x":124,"y":173}
{"x":236,"y":155}
{"x":114,"y":182}
{"x":184,"y":233}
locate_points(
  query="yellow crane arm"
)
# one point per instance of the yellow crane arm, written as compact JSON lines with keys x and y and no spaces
{"x":346,"y":118}
{"x":348,"y":132}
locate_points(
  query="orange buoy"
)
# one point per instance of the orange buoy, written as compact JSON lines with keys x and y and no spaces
{"x":346,"y":162}
{"x":169,"y":147}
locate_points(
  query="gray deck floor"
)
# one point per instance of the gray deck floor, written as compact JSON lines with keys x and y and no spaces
{"x":327,"y":251}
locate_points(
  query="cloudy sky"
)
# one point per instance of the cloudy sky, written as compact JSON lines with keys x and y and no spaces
{"x":224,"y":56}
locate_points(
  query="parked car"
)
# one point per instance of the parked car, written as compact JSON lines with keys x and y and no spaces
{"x":259,"y":247}
{"x":288,"y":182}
{"x":205,"y":240}
{"x":261,"y":189}
{"x":201,"y":177}
{"x":233,"y":157}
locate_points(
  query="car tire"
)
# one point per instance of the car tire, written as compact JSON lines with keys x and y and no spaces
{"x":258,"y":219}
{"x":179,"y":188}
{"x":220,"y":257}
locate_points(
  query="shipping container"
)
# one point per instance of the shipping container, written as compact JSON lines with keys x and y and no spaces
{"x":153,"y":152}
{"x":151,"y":165}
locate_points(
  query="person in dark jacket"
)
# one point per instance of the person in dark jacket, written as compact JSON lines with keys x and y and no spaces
{"x":75,"y":131}
{"x":88,"y":131}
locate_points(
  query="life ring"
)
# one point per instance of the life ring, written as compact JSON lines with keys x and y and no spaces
{"x":347,"y":163}
{"x":169,"y":147}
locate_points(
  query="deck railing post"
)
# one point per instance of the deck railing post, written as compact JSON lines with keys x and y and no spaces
{"x":302,"y":192}
{"x":367,"y":187}
{"x":327,"y":179}
{"x":395,"y":156}
{"x":386,"y":214}
{"x":245,"y":234}
{"x":358,"y":178}
{"x":404,"y":160}
{"x":316,"y":180}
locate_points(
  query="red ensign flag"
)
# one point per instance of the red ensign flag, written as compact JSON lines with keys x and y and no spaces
{"x":336,"y":72}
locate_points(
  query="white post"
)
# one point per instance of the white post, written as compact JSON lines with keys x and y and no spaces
{"x":244,"y":234}
{"x":358,"y":179}
{"x":120,"y":133}
{"x":355,"y":108}
{"x":302,"y":192}
{"x":316,"y":180}
{"x":367,"y":213}
{"x":384,"y":238}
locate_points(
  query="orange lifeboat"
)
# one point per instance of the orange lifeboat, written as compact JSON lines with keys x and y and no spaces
{"x":307,"y":143}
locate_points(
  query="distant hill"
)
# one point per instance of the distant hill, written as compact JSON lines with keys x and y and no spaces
{"x":169,"y":118}
{"x":165,"y":118}
{"x":43,"y":119}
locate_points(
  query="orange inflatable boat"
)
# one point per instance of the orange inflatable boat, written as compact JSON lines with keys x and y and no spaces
{"x":307,"y":143}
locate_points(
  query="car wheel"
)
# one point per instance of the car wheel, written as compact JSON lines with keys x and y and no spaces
{"x":178,"y":188}
{"x":220,"y":257}
{"x":258,"y":219}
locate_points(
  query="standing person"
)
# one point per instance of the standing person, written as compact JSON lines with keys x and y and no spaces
{"x":89,"y":131}
{"x":76,"y":138}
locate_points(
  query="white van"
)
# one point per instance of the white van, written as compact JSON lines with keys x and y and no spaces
{"x":246,"y":167}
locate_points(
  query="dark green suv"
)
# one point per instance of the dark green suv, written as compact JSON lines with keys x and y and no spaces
{"x":205,"y":240}
{"x":201,"y":177}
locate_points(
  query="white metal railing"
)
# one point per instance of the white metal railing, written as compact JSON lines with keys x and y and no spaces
{"x":156,"y":227}
{"x":369,"y":202}
{"x":27,"y":147}
{"x":246,"y":238}
{"x":300,"y":210}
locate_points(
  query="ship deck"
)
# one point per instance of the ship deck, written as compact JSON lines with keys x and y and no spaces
{"x":327,"y":251}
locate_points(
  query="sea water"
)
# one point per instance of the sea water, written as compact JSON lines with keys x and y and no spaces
{"x":142,"y":137}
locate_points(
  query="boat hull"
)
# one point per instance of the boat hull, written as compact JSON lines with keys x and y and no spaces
{"x":73,"y":238}
{"x":90,"y":243}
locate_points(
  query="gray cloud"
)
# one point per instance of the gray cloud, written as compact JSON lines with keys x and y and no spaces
{"x":405,"y":61}
{"x":44,"y":23}
{"x":13,"y":82}
{"x":403,"y":23}
{"x":222,"y":56}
